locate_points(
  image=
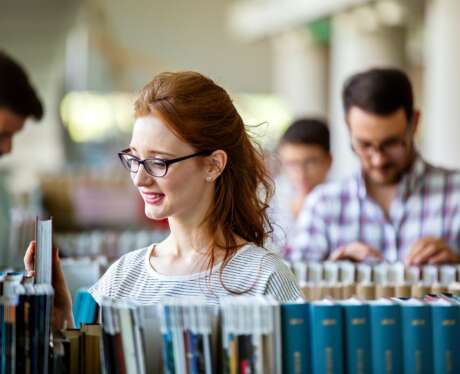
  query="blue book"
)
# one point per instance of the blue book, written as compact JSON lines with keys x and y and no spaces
{"x":446,"y":336}
{"x":326,"y":337}
{"x":417,"y":337}
{"x":386,"y":337}
{"x":85,"y":309}
{"x":357,"y":332}
{"x":296,"y":337}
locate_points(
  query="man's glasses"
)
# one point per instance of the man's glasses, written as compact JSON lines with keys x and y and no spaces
{"x":155,"y":166}
{"x":392,"y":148}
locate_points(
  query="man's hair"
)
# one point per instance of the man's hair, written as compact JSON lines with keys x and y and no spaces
{"x":380,"y":91}
{"x":308,"y":131}
{"x":16,"y":92}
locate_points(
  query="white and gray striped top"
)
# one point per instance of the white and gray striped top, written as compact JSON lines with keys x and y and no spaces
{"x":252,"y":269}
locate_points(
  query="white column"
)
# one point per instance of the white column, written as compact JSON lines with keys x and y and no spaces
{"x":441,"y":134}
{"x":358,"y":42}
{"x":300,"y":72}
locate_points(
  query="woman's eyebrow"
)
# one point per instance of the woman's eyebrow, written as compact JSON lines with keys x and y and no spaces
{"x":151,"y":152}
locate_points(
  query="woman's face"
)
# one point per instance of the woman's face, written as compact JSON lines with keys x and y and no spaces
{"x":183,"y":192}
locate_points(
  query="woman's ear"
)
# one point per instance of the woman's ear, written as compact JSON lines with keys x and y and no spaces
{"x":216,"y":163}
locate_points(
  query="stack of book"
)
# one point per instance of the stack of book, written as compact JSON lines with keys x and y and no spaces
{"x":342,"y":280}
{"x":258,"y":335}
{"x":188,"y":328}
{"x":25,"y":324}
{"x":251,"y":335}
{"x":81,"y":349}
{"x":122,"y":337}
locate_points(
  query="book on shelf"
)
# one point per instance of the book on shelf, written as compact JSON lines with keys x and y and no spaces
{"x":25,"y":324}
{"x":255,"y":334}
{"x":386,"y":336}
{"x":43,"y":251}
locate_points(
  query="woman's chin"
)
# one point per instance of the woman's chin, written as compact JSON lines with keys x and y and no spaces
{"x":155,"y":215}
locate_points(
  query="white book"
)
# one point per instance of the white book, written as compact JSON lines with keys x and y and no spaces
{"x":44,"y":251}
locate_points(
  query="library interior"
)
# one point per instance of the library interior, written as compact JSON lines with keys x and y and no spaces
{"x":229,"y":186}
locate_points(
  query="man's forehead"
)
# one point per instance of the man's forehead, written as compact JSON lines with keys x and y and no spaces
{"x":371,"y":126}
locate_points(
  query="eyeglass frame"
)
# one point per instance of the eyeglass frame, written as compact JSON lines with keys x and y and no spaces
{"x":167,"y":162}
{"x":401,"y":142}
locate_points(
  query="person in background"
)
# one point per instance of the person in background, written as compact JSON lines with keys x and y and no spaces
{"x":305,"y":160}
{"x":18,"y":101}
{"x":194,"y":164}
{"x":398,"y":206}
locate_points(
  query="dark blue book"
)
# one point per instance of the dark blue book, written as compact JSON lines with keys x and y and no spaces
{"x":417,"y":337}
{"x":357,"y":332}
{"x":326,"y":337}
{"x":446,"y":336}
{"x":386,"y":337}
{"x":296,"y":338}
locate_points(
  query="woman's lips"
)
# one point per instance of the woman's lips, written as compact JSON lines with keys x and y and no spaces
{"x":153,"y":198}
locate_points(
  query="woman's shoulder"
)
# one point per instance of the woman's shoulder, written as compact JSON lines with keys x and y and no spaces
{"x":253,"y":255}
{"x":133,"y":258}
{"x":126,"y":270}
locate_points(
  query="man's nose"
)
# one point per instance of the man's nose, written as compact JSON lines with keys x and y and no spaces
{"x":378,"y":158}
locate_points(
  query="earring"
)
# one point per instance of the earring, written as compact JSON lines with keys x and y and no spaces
{"x":209,"y":179}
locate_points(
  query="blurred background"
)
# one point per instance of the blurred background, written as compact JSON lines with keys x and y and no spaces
{"x":278,"y":59}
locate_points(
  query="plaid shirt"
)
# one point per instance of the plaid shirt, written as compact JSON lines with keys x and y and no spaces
{"x":427,"y":203}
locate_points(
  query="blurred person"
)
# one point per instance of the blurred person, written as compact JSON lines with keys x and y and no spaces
{"x":194,"y":164}
{"x":398,"y":206}
{"x":18,"y":101}
{"x":305,"y":160}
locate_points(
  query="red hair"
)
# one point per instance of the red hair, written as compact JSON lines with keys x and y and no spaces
{"x":202,"y":114}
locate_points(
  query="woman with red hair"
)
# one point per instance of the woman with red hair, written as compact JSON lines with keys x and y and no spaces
{"x":193,"y":163}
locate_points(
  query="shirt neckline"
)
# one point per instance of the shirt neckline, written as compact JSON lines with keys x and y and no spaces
{"x":186,"y":277}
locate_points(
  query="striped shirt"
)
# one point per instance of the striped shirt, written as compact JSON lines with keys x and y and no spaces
{"x":427,"y":203}
{"x":252,"y":269}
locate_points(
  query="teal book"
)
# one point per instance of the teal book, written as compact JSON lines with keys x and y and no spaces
{"x":386,"y":337}
{"x":446,"y":336}
{"x":295,"y":319}
{"x":326,"y":337}
{"x":357,"y":337}
{"x":417,"y":337}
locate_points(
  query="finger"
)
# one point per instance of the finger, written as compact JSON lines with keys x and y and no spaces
{"x":338,"y":254}
{"x":29,"y":257}
{"x":372,"y":252}
{"x":428,"y":251}
{"x":415,"y":250}
{"x":442,"y":257}
{"x":361,"y":251}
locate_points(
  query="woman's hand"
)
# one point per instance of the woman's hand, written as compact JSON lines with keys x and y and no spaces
{"x":62,"y":310}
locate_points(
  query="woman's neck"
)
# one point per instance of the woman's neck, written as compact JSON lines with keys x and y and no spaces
{"x":186,"y":239}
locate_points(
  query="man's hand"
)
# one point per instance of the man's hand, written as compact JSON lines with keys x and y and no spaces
{"x":355,"y":251}
{"x":430,"y":250}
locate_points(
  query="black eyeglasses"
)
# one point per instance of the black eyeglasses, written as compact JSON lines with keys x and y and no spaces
{"x":156,"y":167}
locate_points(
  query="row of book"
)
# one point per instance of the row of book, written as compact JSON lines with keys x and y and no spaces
{"x":111,"y":244}
{"x":372,"y":291}
{"x":25,"y":324}
{"x":381,"y":273}
{"x":247,"y":334}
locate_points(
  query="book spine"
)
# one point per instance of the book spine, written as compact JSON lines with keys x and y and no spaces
{"x":357,"y":338}
{"x":295,"y":331}
{"x":417,"y":339}
{"x":446,"y":335}
{"x":386,"y":339}
{"x":326,"y":328}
